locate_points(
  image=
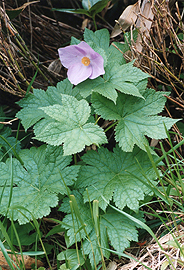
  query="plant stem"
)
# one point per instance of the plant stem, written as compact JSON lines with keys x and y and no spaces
{"x":111,"y":126}
{"x":94,"y":23}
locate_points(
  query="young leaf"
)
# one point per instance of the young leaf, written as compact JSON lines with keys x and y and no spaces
{"x":136,"y":117}
{"x":98,"y":7}
{"x":31,"y":113}
{"x":87,"y":4}
{"x":37,"y":184}
{"x":67,"y":124}
{"x":98,"y":41}
{"x":113,"y":226}
{"x":100,"y":38}
{"x":116,"y":175}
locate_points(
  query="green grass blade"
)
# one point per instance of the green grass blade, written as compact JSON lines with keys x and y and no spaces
{"x":8,"y":260}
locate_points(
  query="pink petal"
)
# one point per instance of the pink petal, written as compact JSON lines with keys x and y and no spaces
{"x":70,"y":55}
{"x":78,"y":73}
{"x":87,"y":49}
{"x":97,"y":67}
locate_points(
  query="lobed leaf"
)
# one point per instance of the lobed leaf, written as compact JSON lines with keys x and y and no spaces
{"x":100,"y":38}
{"x":31,"y":113}
{"x":116,"y":176}
{"x":114,"y":227}
{"x":136,"y":117}
{"x":67,"y":124}
{"x":37,"y":184}
{"x":124,"y":78}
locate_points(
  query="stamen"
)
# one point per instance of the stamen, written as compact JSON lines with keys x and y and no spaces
{"x":86,"y":61}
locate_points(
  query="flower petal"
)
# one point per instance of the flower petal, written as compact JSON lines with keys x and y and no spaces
{"x":87,"y":49}
{"x":78,"y":73}
{"x":70,"y":55}
{"x":97,"y":67}
{"x":71,"y":58}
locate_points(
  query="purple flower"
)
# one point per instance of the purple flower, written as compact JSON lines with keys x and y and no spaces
{"x":82,"y":62}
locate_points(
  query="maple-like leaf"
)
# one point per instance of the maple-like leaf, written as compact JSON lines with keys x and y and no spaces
{"x":114,"y":227}
{"x":31,"y":104}
{"x":67,"y":123}
{"x":136,"y":117}
{"x":117,"y":77}
{"x":37,"y":183}
{"x":116,"y":175}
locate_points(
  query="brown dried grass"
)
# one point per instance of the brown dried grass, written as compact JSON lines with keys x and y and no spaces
{"x":166,"y":255}
{"x":21,"y":58}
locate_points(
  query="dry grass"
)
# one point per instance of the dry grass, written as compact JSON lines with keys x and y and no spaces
{"x":19,"y":61}
{"x":166,"y":255}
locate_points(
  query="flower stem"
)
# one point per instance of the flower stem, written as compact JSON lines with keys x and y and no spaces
{"x":111,"y":126}
{"x":94,"y":23}
{"x":75,"y":159}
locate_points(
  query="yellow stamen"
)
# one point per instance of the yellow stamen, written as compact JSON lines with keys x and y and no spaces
{"x":86,"y":61}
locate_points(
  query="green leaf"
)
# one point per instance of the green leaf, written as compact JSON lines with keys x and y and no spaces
{"x":118,"y":75}
{"x":67,"y":222}
{"x":70,"y":256}
{"x":37,"y":184}
{"x":99,"y":85}
{"x":115,"y":56}
{"x":125,"y":77}
{"x":26,"y":234}
{"x":115,"y":176}
{"x":98,"y":7}
{"x":12,"y":143}
{"x":31,"y":104}
{"x":67,"y":124}
{"x":114,"y":227}
{"x":74,"y":41}
{"x":136,"y":117}
{"x":77,"y":11}
{"x":100,"y":38}
{"x":127,"y":40}
{"x":87,"y":4}
{"x":121,"y":77}
{"x":7,"y":143}
{"x":87,"y":245}
{"x":98,"y":41}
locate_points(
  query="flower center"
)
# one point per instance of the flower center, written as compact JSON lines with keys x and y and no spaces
{"x":86,"y":61}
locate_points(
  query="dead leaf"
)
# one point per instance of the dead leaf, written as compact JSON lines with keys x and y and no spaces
{"x":144,"y":22}
{"x":112,"y":265}
{"x":127,"y":18}
{"x":55,"y":66}
{"x":153,"y":142}
{"x":28,"y":261}
{"x":85,"y":23}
